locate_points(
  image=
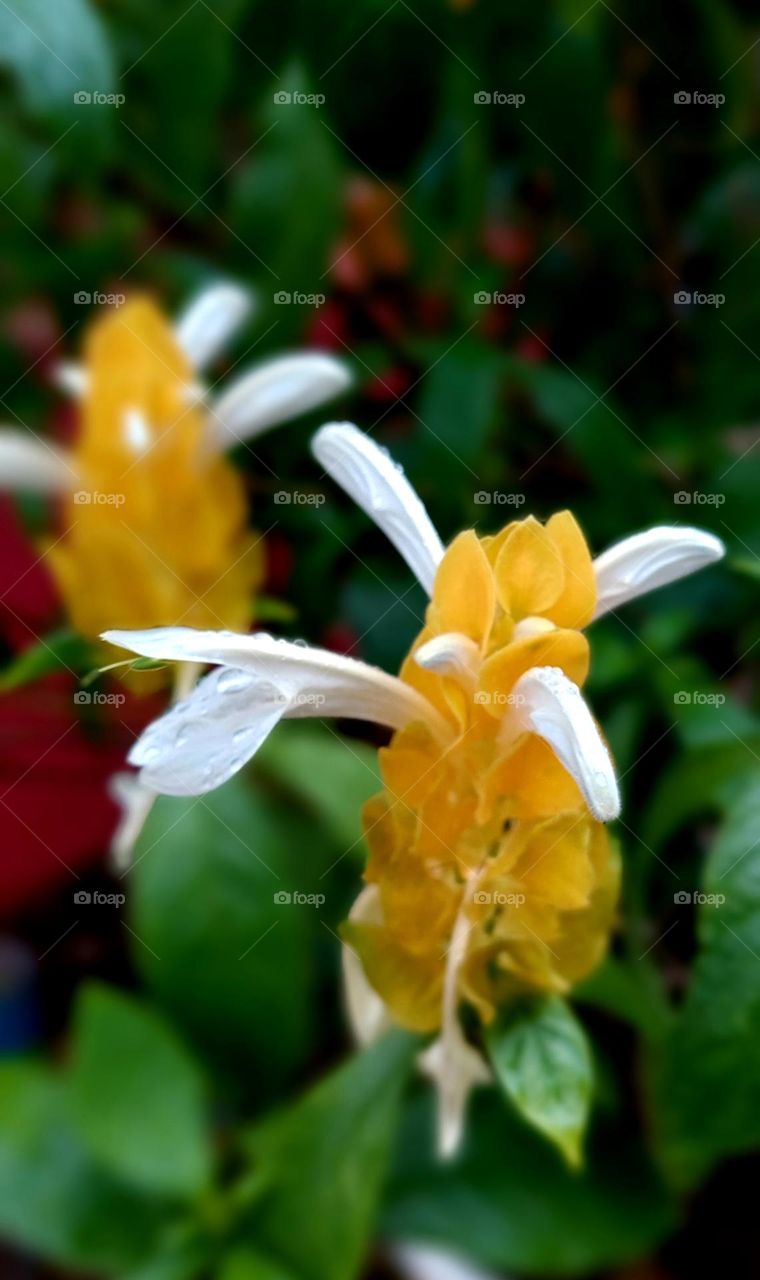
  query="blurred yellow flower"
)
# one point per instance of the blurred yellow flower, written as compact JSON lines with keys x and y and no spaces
{"x":157,"y":531}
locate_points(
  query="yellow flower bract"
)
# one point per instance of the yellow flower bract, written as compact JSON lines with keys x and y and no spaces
{"x":157,"y":533}
{"x":496,"y":832}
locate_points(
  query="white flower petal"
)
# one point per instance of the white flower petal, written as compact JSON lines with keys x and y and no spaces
{"x":210,"y":735}
{"x":135,"y":802}
{"x":450,"y":654}
{"x":649,"y":560}
{"x":208,"y":322}
{"x":278,"y":390}
{"x":378,"y":485}
{"x":455,"y":1068}
{"x":27,"y":462}
{"x":547,"y":703}
{"x":425,"y":1262}
{"x":70,"y":378}
{"x":367,"y":1012}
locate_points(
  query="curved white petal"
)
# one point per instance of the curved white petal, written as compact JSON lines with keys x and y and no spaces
{"x":135,"y":802}
{"x":426,"y":1262}
{"x":26,"y":462}
{"x":70,"y":378}
{"x":378,"y":485}
{"x":209,"y":321}
{"x":649,"y":560}
{"x":209,"y":736}
{"x":278,"y":390}
{"x":545,"y":702}
{"x":450,"y":654}
{"x":367,"y":1011}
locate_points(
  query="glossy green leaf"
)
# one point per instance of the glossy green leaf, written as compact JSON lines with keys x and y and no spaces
{"x":54,"y":1199}
{"x":706,"y":1079}
{"x":137,"y":1094}
{"x":329,"y":1151}
{"x":227,"y":959}
{"x":542,"y":1060}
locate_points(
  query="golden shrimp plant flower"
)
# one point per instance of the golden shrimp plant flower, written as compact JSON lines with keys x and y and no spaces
{"x":490,"y":870}
{"x":155,"y":516}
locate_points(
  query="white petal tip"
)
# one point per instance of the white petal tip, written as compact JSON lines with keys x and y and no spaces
{"x":378,"y":485}
{"x":548,"y":704}
{"x":652,"y":559}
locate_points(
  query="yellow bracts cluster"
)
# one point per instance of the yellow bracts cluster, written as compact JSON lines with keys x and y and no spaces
{"x":156,"y":532}
{"x":491,"y":838}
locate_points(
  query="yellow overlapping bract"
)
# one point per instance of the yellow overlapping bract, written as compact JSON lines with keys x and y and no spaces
{"x":491,"y":828}
{"x":156,"y":534}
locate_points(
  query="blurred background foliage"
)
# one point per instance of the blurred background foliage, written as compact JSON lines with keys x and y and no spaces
{"x":137,"y":1132}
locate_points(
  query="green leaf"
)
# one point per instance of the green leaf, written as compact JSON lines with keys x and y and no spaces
{"x":249,"y":1264}
{"x":543,"y":1062}
{"x":54,"y":1200}
{"x":332,"y":775}
{"x":510,"y":1203}
{"x":329,"y":1151}
{"x":706,"y":1081}
{"x":463,"y":388}
{"x":224,"y":957}
{"x":59,"y":651}
{"x":138,"y":1095}
{"x":55,"y":51}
